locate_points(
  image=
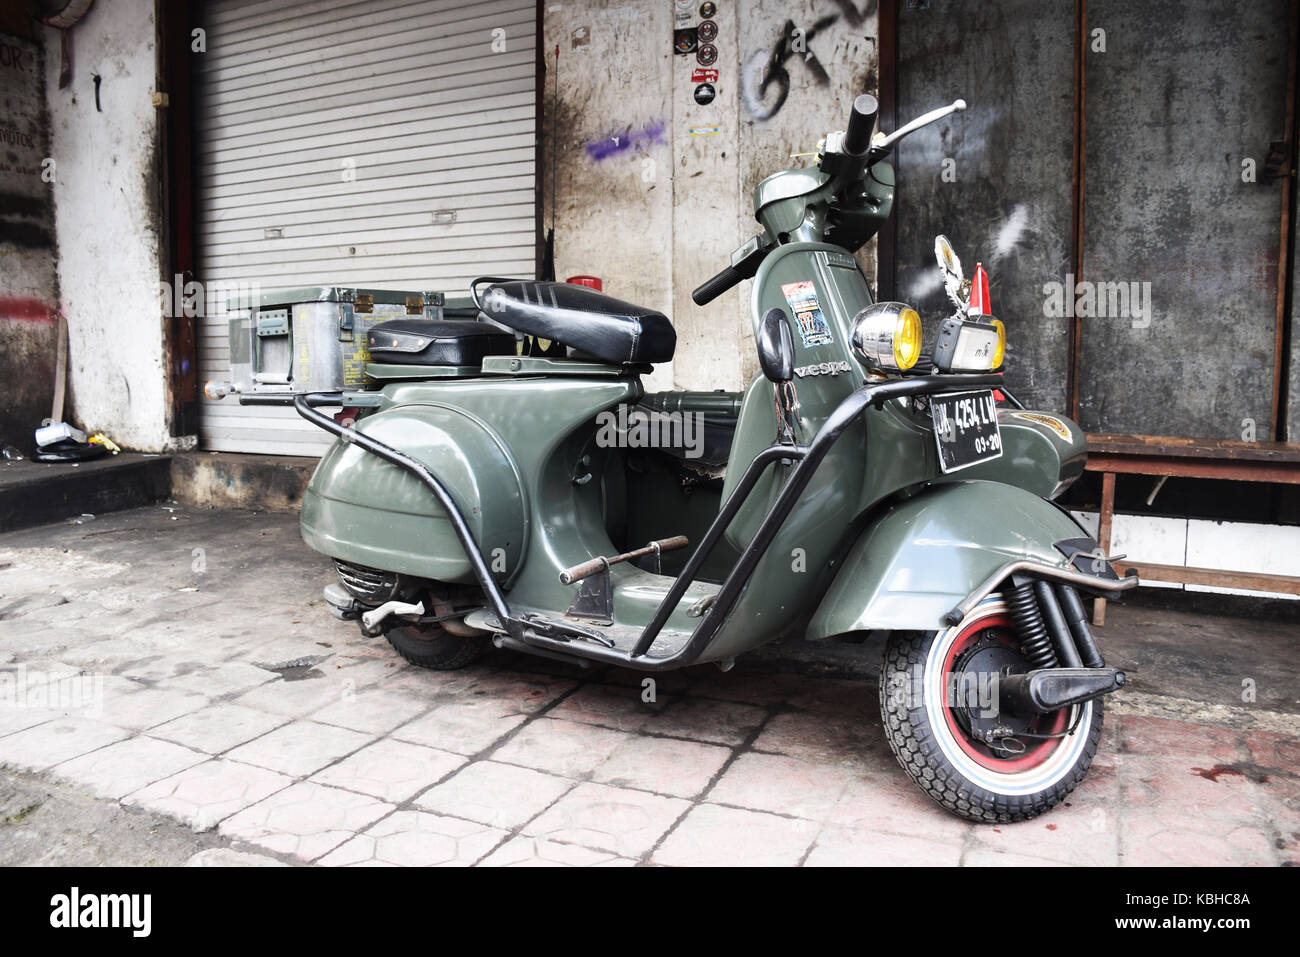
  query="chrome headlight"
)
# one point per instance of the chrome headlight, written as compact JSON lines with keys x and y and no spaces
{"x":968,"y":346}
{"x":887,"y":336}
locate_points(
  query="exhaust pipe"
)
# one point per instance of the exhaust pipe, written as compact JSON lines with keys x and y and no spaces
{"x":1051,"y":689}
{"x":342,"y":605}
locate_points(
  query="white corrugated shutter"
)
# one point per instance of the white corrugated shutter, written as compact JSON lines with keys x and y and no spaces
{"x":335,"y":140}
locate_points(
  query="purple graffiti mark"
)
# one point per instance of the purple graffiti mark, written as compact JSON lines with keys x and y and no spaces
{"x":628,"y":139}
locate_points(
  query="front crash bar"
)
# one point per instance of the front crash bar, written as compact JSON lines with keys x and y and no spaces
{"x":845,"y":414}
{"x":1067,"y":576}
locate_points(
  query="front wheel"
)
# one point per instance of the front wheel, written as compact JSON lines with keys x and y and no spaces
{"x":938,"y":704}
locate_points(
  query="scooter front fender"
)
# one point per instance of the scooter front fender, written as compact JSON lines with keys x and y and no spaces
{"x":928,"y":553}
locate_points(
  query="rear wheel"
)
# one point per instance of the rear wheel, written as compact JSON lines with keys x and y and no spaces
{"x":938,"y":703}
{"x":431,"y":647}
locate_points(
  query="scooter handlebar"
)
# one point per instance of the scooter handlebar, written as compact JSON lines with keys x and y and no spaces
{"x":862,"y":123}
{"x":715,"y":286}
{"x":744,"y":264}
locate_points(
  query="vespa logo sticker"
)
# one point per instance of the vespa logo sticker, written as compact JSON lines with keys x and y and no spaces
{"x":823,"y":368}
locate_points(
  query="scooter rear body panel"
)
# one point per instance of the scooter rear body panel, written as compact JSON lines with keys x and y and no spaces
{"x":362,"y":510}
{"x":493,"y":440}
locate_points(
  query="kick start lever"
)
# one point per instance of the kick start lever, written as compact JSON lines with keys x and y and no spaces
{"x":586,"y":569}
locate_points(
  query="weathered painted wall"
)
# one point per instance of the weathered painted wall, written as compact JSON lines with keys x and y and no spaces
{"x":107,"y":212}
{"x":1179,"y":98}
{"x":28,"y":286}
{"x":996,"y":178}
{"x":653,"y":208}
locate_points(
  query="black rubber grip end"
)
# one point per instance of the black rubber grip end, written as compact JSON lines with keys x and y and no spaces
{"x":862,"y":123}
{"x":715,"y":286}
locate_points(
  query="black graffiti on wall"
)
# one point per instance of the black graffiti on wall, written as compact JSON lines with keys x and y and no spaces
{"x":765,"y":76}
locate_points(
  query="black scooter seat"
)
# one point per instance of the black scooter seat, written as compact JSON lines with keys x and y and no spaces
{"x":437,"y":342}
{"x":590,"y":322}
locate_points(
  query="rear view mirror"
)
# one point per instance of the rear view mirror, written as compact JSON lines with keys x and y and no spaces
{"x":954,"y":283}
{"x":776,"y":346}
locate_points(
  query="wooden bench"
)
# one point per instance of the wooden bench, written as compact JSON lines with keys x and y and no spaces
{"x":1170,"y":457}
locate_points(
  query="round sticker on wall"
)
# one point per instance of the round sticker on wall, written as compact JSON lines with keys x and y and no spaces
{"x":708,"y":31}
{"x":707,"y":10}
{"x":704,"y":94}
{"x":707,"y":55}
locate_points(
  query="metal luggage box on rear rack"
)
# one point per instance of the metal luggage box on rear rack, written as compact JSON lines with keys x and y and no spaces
{"x":314,"y":339}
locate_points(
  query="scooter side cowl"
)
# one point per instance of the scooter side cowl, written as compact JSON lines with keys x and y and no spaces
{"x":363,"y":510}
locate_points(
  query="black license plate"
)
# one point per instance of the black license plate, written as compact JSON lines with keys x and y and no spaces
{"x":965,"y":429}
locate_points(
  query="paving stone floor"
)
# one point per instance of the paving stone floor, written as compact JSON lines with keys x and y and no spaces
{"x":203,"y":682}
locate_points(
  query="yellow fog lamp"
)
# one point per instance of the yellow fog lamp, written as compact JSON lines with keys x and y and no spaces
{"x":887,"y":335}
{"x":964,"y":345}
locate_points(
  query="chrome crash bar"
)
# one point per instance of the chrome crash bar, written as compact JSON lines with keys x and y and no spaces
{"x":1066,"y":576}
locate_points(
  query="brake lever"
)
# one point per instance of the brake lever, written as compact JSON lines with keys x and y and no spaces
{"x":882,"y":147}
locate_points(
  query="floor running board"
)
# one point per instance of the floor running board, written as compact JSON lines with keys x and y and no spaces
{"x":622,"y":637}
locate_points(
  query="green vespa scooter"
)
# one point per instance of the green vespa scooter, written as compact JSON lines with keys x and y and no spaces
{"x":479,"y":494}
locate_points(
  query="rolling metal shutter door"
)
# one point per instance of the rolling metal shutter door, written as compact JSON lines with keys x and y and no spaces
{"x":335,"y":140}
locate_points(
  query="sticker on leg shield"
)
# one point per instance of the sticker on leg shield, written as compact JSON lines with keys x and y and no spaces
{"x":813,"y":328}
{"x":1051,"y":421}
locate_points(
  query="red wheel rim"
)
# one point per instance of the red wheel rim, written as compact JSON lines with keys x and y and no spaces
{"x":1036,"y":751}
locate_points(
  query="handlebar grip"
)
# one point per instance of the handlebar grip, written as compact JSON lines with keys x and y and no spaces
{"x":715,"y":286}
{"x":862,"y":123}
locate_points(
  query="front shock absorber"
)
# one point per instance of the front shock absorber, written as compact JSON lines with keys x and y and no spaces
{"x":1035,"y":642}
{"x":1077,"y":618}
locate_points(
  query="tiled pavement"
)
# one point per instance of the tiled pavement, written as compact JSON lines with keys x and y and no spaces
{"x":285,"y":730}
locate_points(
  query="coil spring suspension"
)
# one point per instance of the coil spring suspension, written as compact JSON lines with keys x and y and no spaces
{"x":1035,"y":642}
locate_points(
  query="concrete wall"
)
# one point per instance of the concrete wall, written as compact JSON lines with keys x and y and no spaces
{"x":28,"y":285}
{"x":654,"y":209}
{"x":107,"y":198}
